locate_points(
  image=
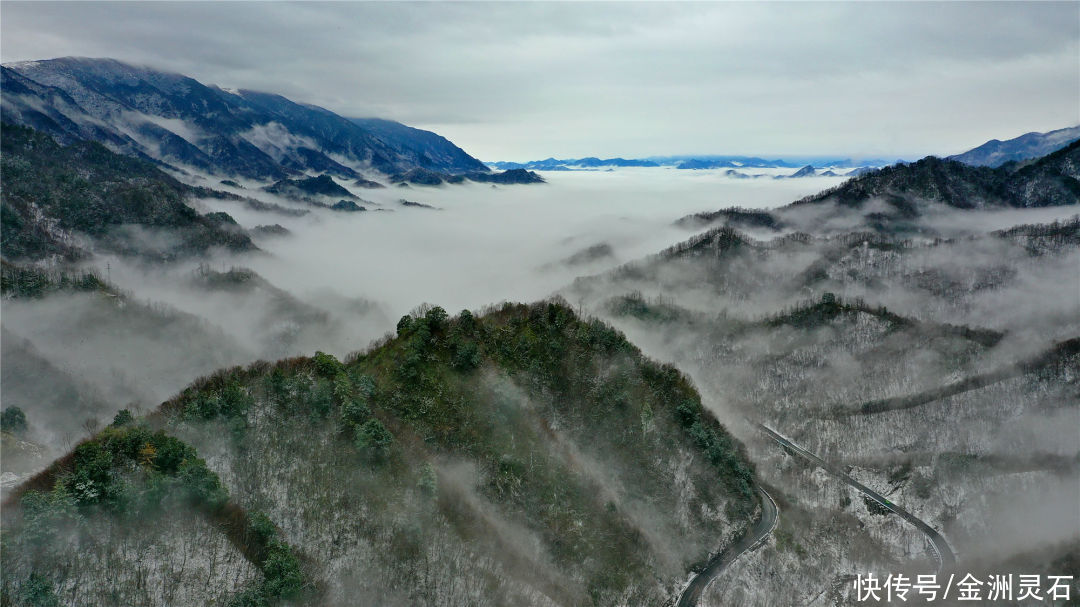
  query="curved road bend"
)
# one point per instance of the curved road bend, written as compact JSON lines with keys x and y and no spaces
{"x":747,"y":541}
{"x":942,"y":552}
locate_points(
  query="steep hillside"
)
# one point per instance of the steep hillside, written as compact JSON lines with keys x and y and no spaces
{"x":127,"y":352}
{"x":426,"y":149}
{"x":525,"y":457}
{"x":64,"y":201}
{"x":50,"y":394}
{"x":63,"y":327}
{"x":276,"y":323}
{"x":178,"y":120}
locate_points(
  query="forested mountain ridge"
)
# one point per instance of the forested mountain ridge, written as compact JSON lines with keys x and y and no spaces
{"x":1049,"y":181}
{"x":528,"y":448}
{"x":62,"y":201}
{"x":178,"y":120}
{"x":903,"y":199}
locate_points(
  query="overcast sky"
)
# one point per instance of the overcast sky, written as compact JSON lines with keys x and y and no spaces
{"x":529,"y":80}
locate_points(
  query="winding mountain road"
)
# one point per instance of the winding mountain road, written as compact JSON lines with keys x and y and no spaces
{"x":942,"y":551}
{"x":755,"y":535}
{"x":747,"y":541}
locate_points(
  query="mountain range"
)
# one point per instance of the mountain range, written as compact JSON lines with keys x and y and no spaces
{"x":176,"y":120}
{"x":894,"y":199}
{"x":685,"y":162}
{"x":569,"y":164}
{"x":995,"y":153}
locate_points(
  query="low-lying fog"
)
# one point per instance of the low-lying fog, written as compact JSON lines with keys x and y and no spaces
{"x":481,"y":244}
{"x":342,"y":279}
{"x":505,"y":243}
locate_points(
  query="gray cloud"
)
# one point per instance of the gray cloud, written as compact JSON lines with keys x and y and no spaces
{"x":524,"y":80}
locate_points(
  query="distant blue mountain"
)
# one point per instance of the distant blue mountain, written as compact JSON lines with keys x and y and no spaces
{"x":614,"y":162}
{"x":714,"y":161}
{"x":995,"y":153}
{"x":570,"y":164}
{"x":806,"y":171}
{"x":727,"y":162}
{"x":686,"y":162}
{"x":848,"y":163}
{"x":696,"y":164}
{"x":863,"y":171}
